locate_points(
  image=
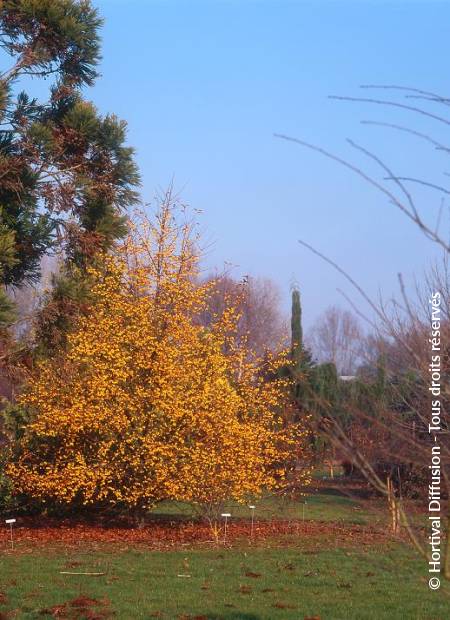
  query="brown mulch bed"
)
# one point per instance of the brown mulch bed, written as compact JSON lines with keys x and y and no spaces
{"x":159,"y":535}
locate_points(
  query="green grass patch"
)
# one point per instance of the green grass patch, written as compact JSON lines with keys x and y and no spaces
{"x":231,"y":584}
{"x":328,"y":505}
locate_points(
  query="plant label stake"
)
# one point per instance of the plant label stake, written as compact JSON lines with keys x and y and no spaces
{"x":304,"y":504}
{"x":252,"y":508}
{"x":10,"y":523}
{"x":225,"y":515}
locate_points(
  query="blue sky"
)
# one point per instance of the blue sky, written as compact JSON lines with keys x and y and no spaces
{"x":204,"y":85}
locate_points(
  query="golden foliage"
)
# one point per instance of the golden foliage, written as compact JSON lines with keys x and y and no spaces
{"x":146,"y":404}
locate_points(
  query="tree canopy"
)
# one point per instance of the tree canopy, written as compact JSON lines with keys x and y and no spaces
{"x":146,"y":403}
{"x":66,"y":173}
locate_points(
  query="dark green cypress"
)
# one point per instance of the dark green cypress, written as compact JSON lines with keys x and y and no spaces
{"x":301,"y":362}
{"x":296,"y":330}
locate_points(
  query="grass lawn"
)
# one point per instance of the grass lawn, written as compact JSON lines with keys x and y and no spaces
{"x":342,"y":567}
{"x":232,"y":584}
{"x":328,"y":505}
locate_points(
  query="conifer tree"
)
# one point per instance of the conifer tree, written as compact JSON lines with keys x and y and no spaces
{"x":296,"y":330}
{"x":314,"y":386}
{"x":66,"y":175}
{"x":301,"y":362}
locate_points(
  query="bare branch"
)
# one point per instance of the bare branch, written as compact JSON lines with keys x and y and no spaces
{"x":382,"y":165}
{"x":419,"y":181}
{"x":414,"y":217}
{"x":394,"y":104}
{"x":413,"y":132}
{"x":405,"y":88}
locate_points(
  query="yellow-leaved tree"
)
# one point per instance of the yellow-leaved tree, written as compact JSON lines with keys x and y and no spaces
{"x":145,"y":403}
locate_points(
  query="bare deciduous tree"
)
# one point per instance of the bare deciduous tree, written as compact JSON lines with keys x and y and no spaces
{"x":406,"y":325}
{"x":336,"y":337}
{"x":262,"y":320}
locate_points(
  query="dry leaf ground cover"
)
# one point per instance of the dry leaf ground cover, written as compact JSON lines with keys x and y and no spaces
{"x":171,"y":568}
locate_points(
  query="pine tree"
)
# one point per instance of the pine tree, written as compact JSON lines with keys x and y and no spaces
{"x":66,"y":176}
